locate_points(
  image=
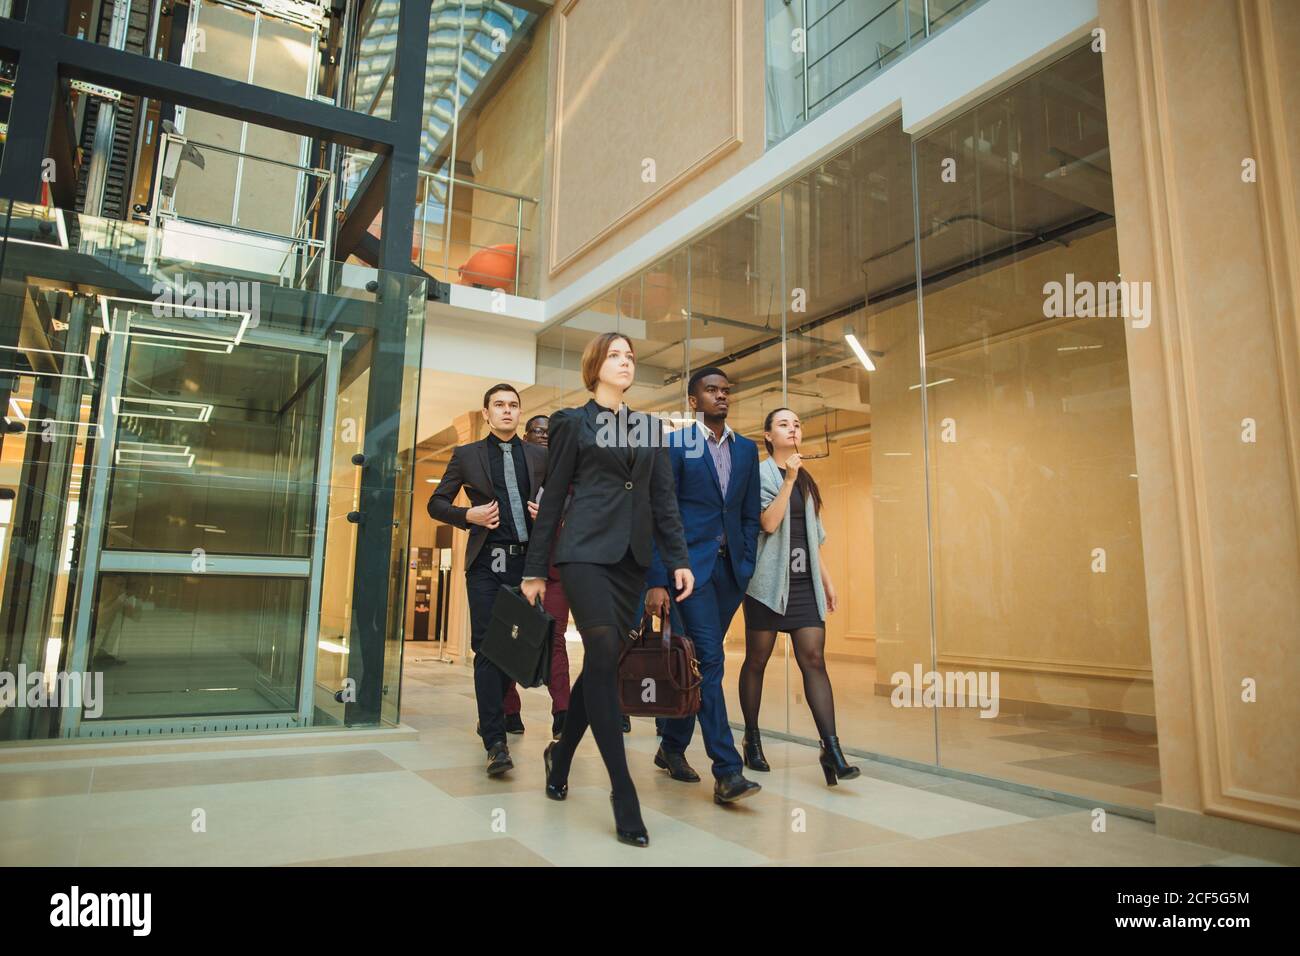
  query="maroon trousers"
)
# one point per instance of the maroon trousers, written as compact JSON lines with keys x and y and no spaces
{"x":557,"y":605}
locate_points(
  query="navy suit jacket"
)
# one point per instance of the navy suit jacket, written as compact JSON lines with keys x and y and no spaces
{"x":705,"y":514}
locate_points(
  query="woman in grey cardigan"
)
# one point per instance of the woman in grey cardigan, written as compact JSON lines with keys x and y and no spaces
{"x":790,"y":591}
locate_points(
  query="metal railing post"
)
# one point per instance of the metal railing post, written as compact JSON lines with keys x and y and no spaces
{"x":519,"y":239}
{"x":807,"y":37}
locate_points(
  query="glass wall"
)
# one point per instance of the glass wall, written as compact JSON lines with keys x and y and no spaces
{"x":970,"y":433}
{"x":483,"y":143}
{"x":820,"y":51}
{"x":204,"y":477}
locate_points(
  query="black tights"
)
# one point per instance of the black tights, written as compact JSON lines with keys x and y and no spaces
{"x":810,"y":653}
{"x":594,"y":699}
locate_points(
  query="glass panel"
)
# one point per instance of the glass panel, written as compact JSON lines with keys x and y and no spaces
{"x":944,"y":12}
{"x":1039,"y":579}
{"x":845,"y":45}
{"x":174,"y":645}
{"x":230,"y":462}
{"x":339,"y":572}
{"x":737,"y":301}
{"x":124,"y":452}
{"x":851,"y":278}
{"x":49,"y":400}
{"x":494,"y":130}
{"x":8,"y":73}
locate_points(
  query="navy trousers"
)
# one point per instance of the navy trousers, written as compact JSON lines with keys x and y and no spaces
{"x":490,"y":682}
{"x":704,"y":617}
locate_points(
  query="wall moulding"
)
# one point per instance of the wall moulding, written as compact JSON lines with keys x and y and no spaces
{"x":1191,"y":606}
{"x":574,"y":89}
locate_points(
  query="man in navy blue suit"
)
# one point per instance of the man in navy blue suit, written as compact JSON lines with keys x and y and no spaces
{"x":718,"y":495}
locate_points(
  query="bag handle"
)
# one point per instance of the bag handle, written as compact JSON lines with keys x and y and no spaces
{"x":646,"y":626}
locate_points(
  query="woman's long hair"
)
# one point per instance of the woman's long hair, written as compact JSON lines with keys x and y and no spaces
{"x":807,"y":485}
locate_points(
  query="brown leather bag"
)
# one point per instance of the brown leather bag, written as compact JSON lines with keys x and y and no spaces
{"x":659,"y":674}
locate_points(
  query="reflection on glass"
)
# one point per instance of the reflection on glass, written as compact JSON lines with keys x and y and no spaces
{"x":239,"y":481}
{"x":174,"y":645}
{"x":1039,"y":575}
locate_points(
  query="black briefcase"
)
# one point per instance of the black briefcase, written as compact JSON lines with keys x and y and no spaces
{"x":518,"y":638}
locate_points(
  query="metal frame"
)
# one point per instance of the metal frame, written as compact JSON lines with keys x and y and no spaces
{"x":98,"y":560}
{"x":46,"y":56}
{"x":324,"y":467}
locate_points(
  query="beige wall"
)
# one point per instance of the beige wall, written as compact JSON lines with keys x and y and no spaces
{"x":680,"y":82}
{"x":1192,"y":89}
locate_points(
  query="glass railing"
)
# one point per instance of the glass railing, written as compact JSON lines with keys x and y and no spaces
{"x":205,"y":482}
{"x":489,"y":240}
{"x":206,"y":189}
{"x":819,"y":51}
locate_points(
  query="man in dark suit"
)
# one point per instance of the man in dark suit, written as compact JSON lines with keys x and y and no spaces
{"x":500,"y":475}
{"x":537,"y":432}
{"x":716,"y":475}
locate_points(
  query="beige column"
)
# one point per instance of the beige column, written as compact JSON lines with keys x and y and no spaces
{"x":469,"y":427}
{"x":1203,"y":105}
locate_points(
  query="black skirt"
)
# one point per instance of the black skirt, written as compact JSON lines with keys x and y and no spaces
{"x":605,"y":595}
{"x":800,"y":609}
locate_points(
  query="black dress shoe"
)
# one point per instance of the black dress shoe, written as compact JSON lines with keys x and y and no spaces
{"x":676,"y":766}
{"x":499,"y":759}
{"x":638,"y":837}
{"x":752,"y":747}
{"x":834,"y":766}
{"x":556,"y":791}
{"x":514,"y":724}
{"x":733,"y":787}
{"x":557,"y":724}
{"x":627,"y":724}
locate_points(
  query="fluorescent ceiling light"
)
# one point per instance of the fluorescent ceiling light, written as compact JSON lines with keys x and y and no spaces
{"x":859,"y":351}
{"x":90,"y":371}
{"x":44,"y":423}
{"x":941,"y":381}
{"x":59,"y":225}
{"x":164,"y":410}
{"x":150,"y":453}
{"x":142,"y":321}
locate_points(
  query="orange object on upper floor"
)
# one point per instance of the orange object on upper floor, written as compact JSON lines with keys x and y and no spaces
{"x":492,"y":268}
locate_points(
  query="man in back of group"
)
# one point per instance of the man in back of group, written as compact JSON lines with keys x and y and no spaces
{"x":500,"y":474}
{"x":536,"y":432}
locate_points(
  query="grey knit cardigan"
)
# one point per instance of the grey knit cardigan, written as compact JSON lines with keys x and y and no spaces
{"x":770,"y":584}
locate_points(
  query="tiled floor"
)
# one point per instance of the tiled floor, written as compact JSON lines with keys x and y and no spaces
{"x":426,"y":801}
{"x":1066,"y":753}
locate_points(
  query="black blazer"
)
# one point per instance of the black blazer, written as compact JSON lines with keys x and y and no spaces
{"x":471,"y":469}
{"x":616,"y":503}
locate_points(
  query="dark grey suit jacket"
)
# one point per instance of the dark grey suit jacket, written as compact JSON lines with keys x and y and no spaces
{"x":471,"y":469}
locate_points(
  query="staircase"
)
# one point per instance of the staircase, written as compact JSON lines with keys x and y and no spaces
{"x":117,"y":187}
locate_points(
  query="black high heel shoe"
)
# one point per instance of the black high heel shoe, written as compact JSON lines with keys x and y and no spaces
{"x":552,"y":790}
{"x":753,"y":748}
{"x":834,"y":766}
{"x":631,"y":837}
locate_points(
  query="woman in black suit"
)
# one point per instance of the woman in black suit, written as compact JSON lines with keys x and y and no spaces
{"x":624,"y":499}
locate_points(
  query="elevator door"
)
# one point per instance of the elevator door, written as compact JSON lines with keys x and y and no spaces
{"x":206,"y":531}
